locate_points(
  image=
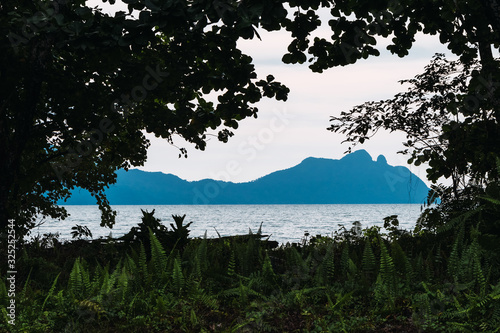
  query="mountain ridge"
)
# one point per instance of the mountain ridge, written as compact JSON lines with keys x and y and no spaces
{"x":355,"y":178}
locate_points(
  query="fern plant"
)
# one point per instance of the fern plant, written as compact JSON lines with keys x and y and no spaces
{"x":108,"y":283}
{"x":265,"y":280}
{"x":478,"y":274}
{"x":297,"y":269}
{"x":344,"y":259}
{"x":177,"y":277}
{"x":454,"y":264}
{"x":369,"y":262}
{"x":326,"y":270}
{"x":231,"y":266}
{"x":142,"y":267}
{"x":158,"y":261}
{"x":201,"y":263}
{"x":51,"y":292}
{"x":269,"y":277}
{"x":386,"y":285}
{"x":404,"y":269}
{"x":79,"y":280}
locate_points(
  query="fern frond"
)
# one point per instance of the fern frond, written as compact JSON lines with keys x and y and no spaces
{"x":387,"y":269}
{"x":75,"y":283}
{"x":402,"y":263}
{"x":298,"y":265}
{"x":341,"y":301}
{"x":158,"y":255}
{"x":478,"y":272}
{"x":454,"y":259}
{"x":492,"y":200}
{"x":368,"y":263}
{"x":352,"y":269}
{"x":228,"y":293}
{"x":110,"y":280}
{"x":208,"y":301}
{"x":459,"y":220}
{"x":199,"y":295}
{"x":95,"y":284}
{"x":104,"y":282}
{"x":344,"y":259}
{"x":327,"y":266}
{"x":22,"y":295}
{"x":51,"y":291}
{"x":92,"y":307}
{"x":301,"y":297}
{"x":201,"y":259}
{"x":84,"y":271}
{"x":267,"y":270}
{"x":177,"y":276}
{"x":130,"y":265}
{"x":251,"y":257}
{"x":142,"y":266}
{"x":123,"y":282}
{"x":231,"y":267}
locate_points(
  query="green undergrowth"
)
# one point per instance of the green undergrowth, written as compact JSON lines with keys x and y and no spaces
{"x":357,"y":280}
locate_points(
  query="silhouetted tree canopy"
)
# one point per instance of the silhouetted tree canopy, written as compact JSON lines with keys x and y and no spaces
{"x":78,"y":87}
{"x":453,"y":129}
{"x":451,"y":112}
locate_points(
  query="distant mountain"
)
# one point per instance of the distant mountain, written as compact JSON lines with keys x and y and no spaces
{"x":354,"y":179}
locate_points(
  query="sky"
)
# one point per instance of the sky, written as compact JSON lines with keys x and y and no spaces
{"x":285,"y":133}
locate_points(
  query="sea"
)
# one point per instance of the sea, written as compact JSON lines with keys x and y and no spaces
{"x":281,"y":223}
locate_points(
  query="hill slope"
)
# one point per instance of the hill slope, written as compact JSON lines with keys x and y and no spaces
{"x":355,"y":178}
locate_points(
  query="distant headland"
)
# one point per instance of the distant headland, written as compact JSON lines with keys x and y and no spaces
{"x":354,"y":179}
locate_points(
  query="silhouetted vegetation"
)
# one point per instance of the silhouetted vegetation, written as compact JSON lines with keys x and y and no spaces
{"x":62,"y":125}
{"x":442,"y":277}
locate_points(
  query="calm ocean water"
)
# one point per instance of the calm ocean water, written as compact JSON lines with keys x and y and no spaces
{"x":285,"y":223}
